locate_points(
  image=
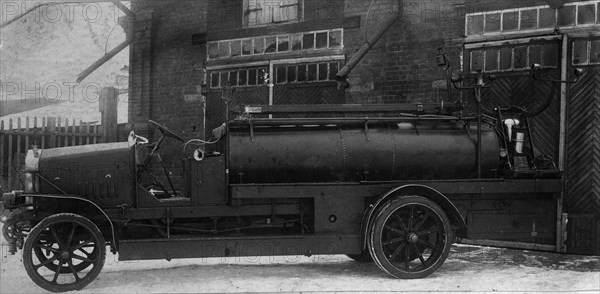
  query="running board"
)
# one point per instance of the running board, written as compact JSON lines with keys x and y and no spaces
{"x":175,"y":248}
{"x":509,"y":244}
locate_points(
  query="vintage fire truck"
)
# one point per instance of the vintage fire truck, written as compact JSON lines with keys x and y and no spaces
{"x":378,"y":182}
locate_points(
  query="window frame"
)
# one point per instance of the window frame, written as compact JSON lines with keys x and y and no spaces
{"x":469,"y":17}
{"x":246,"y":12}
{"x":221,"y":44}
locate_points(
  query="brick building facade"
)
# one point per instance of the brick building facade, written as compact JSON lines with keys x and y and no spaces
{"x":188,"y":53}
{"x":170,"y":61}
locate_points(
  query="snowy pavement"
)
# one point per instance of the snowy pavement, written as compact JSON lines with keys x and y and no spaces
{"x":468,"y":269}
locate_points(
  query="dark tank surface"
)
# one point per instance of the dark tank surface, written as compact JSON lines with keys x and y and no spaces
{"x":428,"y":150}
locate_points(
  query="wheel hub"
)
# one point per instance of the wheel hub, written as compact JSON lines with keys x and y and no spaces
{"x":413,"y":238}
{"x":64,"y":255}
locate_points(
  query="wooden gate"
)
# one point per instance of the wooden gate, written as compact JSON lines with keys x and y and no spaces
{"x":582,"y":201}
{"x":523,"y":91}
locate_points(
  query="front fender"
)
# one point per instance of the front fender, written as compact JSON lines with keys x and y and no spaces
{"x":65,"y":199}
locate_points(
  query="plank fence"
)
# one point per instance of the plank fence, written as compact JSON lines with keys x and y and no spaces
{"x":21,"y":134}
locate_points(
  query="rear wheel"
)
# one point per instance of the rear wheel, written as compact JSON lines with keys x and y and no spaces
{"x":410,"y":237}
{"x":64,"y":252}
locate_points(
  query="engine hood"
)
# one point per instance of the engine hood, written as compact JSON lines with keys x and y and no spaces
{"x":85,"y":150}
{"x":90,"y":171}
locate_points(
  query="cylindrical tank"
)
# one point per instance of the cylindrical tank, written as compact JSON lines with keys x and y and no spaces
{"x":424,"y":150}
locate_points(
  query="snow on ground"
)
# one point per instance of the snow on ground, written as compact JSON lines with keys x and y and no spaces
{"x":468,"y":269}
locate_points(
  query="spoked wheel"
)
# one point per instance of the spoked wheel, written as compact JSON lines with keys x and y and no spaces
{"x":410,"y":237}
{"x":64,"y":252}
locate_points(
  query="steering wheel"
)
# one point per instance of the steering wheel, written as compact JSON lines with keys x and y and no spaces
{"x":165,"y":131}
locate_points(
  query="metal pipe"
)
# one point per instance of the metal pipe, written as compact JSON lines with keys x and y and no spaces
{"x":420,"y":108}
{"x":366,"y":47}
{"x":338,"y":121}
{"x":479,"y":134}
{"x":104,"y":59}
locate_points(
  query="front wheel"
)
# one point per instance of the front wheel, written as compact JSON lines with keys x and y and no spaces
{"x":64,"y":252}
{"x":410,"y":237}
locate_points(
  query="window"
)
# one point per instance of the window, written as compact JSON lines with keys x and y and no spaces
{"x":269,"y":12}
{"x":492,"y":23}
{"x":283,"y":74}
{"x":237,"y":78}
{"x":317,"y":40}
{"x":586,"y":52}
{"x":516,"y":57}
{"x":584,"y":13}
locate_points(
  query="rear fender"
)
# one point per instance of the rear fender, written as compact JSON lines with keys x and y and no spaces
{"x":434,"y":195}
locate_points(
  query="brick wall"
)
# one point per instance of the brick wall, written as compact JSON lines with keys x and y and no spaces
{"x":167,"y":68}
{"x":402,"y":65}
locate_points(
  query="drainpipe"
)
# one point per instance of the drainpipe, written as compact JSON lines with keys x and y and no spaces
{"x":369,"y":43}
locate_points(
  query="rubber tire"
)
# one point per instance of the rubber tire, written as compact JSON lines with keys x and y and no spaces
{"x":376,"y":229}
{"x":61,"y":218}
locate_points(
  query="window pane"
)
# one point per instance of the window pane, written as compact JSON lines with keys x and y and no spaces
{"x":213,"y":50}
{"x":233,"y":78}
{"x":308,"y":41}
{"x":580,"y":52}
{"x":323,"y":74}
{"x":585,"y":14}
{"x":491,"y":60}
{"x":243,"y":77}
{"x":302,"y":73}
{"x":291,"y":73}
{"x":535,"y":55}
{"x":476,"y":60}
{"x":223,"y":49}
{"x":505,"y":58}
{"x":259,"y":46}
{"x":474,"y":24}
{"x":271,"y":44}
{"x":321,"y":40}
{"x":281,"y":74}
{"x":296,"y":42}
{"x":520,"y":57}
{"x":311,"y":73}
{"x":492,"y":22}
{"x":595,"y":51}
{"x":247,"y":47}
{"x":550,"y":55}
{"x":251,"y":77}
{"x":283,"y":44}
{"x":285,"y":10}
{"x":224,"y":79}
{"x":263,"y":76}
{"x":335,"y":39}
{"x":547,"y":18}
{"x":236,"y":48}
{"x":333,"y":69}
{"x":214,"y":80}
{"x":528,"y":19}
{"x":566,"y":16}
{"x":510,"y":21}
